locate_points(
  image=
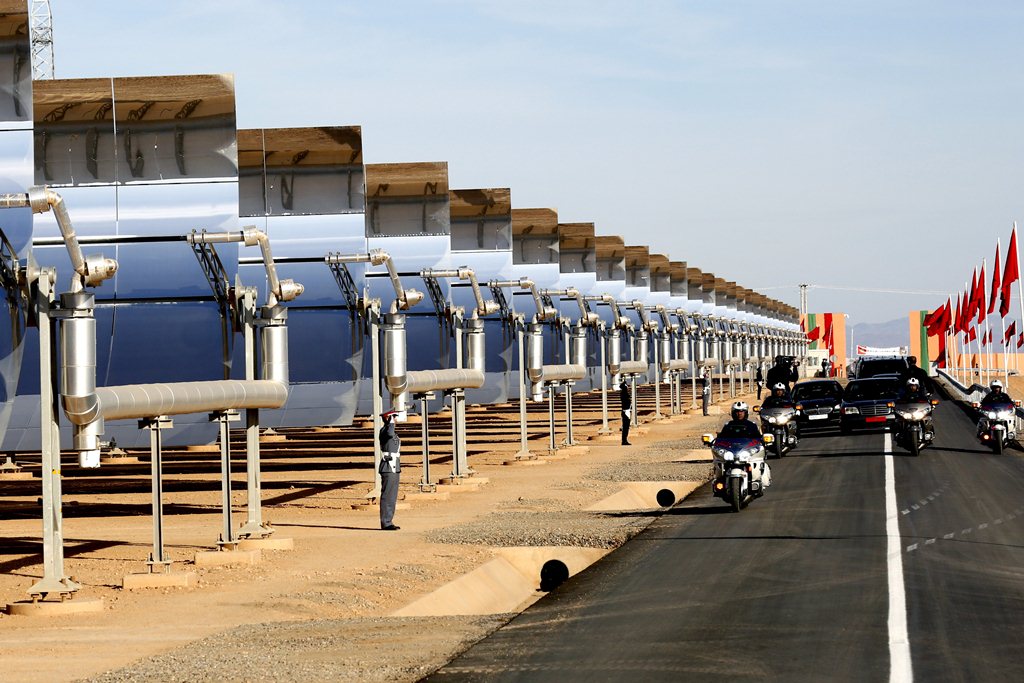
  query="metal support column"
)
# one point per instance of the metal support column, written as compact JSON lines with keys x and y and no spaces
{"x":657,"y":379}
{"x":158,"y":562}
{"x":54,"y":579}
{"x":568,"y":415}
{"x":605,"y":429}
{"x":524,"y":448}
{"x":253,"y":527}
{"x":460,"y":465}
{"x":223,"y":418}
{"x":552,"y":446}
{"x":378,"y":402}
{"x":425,"y":484}
{"x":635,"y":419}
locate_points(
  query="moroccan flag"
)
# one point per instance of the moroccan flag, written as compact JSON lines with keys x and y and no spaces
{"x":1020,"y":340}
{"x":995,"y":283}
{"x":958,"y":318}
{"x":1010,"y":274}
{"x":938,"y":321}
{"x":1010,"y":331}
{"x":972,"y":299}
{"x":814,"y":334}
{"x":981,"y":295}
{"x":972,"y":333}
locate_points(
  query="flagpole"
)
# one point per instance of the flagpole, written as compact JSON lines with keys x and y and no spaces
{"x":1020,"y":293}
{"x":988,"y":330}
{"x":1006,"y":369}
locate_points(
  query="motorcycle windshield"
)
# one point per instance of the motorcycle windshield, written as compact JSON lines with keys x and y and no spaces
{"x":735,"y":444}
{"x":998,"y":407}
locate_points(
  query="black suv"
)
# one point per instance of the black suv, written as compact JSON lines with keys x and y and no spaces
{"x":817,"y":403}
{"x":895,"y":366}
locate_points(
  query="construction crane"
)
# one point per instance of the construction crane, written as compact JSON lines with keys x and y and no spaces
{"x":41,"y":37}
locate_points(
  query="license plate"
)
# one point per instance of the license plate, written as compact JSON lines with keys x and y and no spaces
{"x":817,"y":417}
{"x":880,"y":418}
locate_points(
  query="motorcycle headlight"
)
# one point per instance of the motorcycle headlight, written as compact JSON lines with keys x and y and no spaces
{"x":720,"y":452}
{"x":728,"y":456}
{"x":743,"y":456}
{"x":771,"y":419}
{"x":1005,"y":415}
{"x":991,"y":414}
{"x":782,"y":419}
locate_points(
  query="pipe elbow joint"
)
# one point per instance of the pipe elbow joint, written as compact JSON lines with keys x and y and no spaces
{"x":81,"y":410}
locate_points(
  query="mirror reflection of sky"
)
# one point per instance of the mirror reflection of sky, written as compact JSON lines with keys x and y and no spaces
{"x":869,"y":143}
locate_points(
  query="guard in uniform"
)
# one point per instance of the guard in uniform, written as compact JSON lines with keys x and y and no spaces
{"x":390,"y":470}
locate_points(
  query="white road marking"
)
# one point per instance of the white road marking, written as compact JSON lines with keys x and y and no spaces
{"x":912,"y":547}
{"x":983,"y":525}
{"x":948,"y":536}
{"x":900,"y":665}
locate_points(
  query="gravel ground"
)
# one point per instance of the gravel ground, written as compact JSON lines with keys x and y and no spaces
{"x":321,"y":650}
{"x":572,"y":528}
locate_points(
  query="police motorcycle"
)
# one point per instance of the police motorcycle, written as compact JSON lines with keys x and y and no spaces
{"x":913,"y":429}
{"x":741,"y":472}
{"x":778,"y":418}
{"x":997,"y":426}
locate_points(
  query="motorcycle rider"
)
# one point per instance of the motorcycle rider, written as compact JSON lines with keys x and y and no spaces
{"x":742,"y":427}
{"x":914,"y":392}
{"x":781,"y":398}
{"x":783,"y":371}
{"x":918,"y":373}
{"x":995,"y":396}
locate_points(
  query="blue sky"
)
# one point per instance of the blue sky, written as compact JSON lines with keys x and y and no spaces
{"x":770,"y":142}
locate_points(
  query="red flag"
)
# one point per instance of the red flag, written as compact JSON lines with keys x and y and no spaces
{"x":940,"y":359}
{"x":1010,"y":274}
{"x":972,"y":299}
{"x":1010,"y":331}
{"x":958,"y":318}
{"x":940,"y":320}
{"x":988,"y":338}
{"x":995,"y":283}
{"x":972,"y":333}
{"x":1020,"y":340}
{"x":981,"y":295}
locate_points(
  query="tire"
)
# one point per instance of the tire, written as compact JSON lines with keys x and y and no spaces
{"x":997,"y":446}
{"x":735,"y":497}
{"x":914,"y":447}
{"x":779,"y":448}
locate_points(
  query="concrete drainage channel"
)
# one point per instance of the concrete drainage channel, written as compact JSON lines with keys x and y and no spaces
{"x":510,"y":582}
{"x":517,"y":577}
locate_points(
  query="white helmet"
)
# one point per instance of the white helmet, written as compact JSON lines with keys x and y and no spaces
{"x":996,"y":385}
{"x":913,"y":383}
{"x":778,"y":385}
{"x":737,"y":407}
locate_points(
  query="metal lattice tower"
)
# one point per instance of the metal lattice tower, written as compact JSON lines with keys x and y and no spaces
{"x":41,"y":36}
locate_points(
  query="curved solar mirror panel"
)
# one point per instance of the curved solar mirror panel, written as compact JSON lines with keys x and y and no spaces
{"x":16,"y":157}
{"x":481,"y":238}
{"x":577,"y":257}
{"x":304,"y":187}
{"x":140,"y":163}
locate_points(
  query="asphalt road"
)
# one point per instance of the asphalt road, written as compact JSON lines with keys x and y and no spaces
{"x":795,"y":587}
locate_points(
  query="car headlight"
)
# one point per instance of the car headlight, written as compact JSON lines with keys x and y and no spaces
{"x":852,"y":410}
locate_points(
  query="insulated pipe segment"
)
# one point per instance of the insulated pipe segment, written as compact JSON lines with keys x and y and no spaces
{"x":89,"y":270}
{"x":404,"y":298}
{"x":180,"y":398}
{"x":578,"y":345}
{"x":482,"y":307}
{"x":78,"y":359}
{"x":475,"y":344}
{"x":395,"y":366}
{"x":422,"y":381}
{"x":277,"y":289}
{"x":563,"y":373}
{"x":614,"y":351}
{"x":633,"y":367}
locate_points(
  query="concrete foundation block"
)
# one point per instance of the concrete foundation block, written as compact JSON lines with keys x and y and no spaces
{"x":160,"y":580}
{"x":268,"y":543}
{"x":54,"y":608}
{"x":227,"y":558}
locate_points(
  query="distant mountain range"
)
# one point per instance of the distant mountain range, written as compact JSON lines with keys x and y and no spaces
{"x":891,"y":333}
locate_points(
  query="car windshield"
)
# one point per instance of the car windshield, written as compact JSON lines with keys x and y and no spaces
{"x":739,"y":430}
{"x":882,"y":366}
{"x":812,"y":390}
{"x":867,"y":391}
